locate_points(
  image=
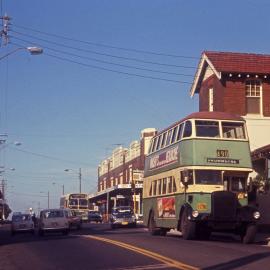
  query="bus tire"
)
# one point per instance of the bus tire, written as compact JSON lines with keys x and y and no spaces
{"x":163,"y":232}
{"x":188,"y":228}
{"x":152,"y":225}
{"x":250,"y":234}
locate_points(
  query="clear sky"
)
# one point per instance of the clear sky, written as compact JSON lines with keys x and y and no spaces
{"x":109,"y":70}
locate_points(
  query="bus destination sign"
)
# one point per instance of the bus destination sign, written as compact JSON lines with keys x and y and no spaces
{"x":223,"y":158}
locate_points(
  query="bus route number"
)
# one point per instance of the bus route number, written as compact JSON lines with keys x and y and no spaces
{"x":222,"y":153}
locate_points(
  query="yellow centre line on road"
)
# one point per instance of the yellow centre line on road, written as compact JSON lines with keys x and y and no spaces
{"x":168,"y":261}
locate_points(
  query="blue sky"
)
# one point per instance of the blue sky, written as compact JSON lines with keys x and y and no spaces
{"x":69,"y":112}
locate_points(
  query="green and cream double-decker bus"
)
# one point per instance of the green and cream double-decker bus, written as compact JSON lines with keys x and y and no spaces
{"x":195,"y":178}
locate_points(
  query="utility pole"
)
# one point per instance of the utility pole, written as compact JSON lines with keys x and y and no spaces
{"x":4,"y":32}
{"x":80,"y":179}
{"x":48,"y":199}
{"x":63,"y":189}
{"x":3,"y":189}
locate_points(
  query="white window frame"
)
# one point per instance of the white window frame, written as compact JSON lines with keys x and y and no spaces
{"x":211,"y":100}
{"x":250,"y":96}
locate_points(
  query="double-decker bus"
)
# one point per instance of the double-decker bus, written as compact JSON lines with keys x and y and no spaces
{"x":195,"y":178}
{"x":78,"y":202}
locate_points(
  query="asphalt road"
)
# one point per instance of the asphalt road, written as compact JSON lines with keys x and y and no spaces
{"x":96,"y":246}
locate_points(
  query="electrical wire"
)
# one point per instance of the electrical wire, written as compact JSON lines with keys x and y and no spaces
{"x":105,"y":45}
{"x":47,"y":157}
{"x":105,"y":62}
{"x":103,"y":54}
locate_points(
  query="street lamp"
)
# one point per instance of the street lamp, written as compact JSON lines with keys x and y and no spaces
{"x":80,"y":177}
{"x":31,"y":50}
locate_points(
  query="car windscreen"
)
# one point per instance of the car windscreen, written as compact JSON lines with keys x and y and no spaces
{"x":123,"y":214}
{"x":19,"y":218}
{"x":53,"y":214}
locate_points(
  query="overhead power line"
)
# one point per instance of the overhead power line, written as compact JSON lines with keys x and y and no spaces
{"x":111,"y":70}
{"x":46,"y":156}
{"x":103,"y":54}
{"x":106,"y":62}
{"x":105,"y":45}
{"x":116,"y":71}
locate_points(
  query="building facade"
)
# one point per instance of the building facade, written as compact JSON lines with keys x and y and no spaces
{"x":239,"y":83}
{"x":120,"y":176}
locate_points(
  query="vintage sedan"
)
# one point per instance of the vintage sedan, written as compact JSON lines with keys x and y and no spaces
{"x":22,"y":223}
{"x":122,"y":216}
{"x":53,"y":220}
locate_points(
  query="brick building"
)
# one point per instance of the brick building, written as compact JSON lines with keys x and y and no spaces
{"x":239,"y":83}
{"x":120,"y":176}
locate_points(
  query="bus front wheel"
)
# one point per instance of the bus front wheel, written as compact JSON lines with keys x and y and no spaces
{"x":188,"y":228}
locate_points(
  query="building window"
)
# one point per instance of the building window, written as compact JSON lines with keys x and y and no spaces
{"x":253,"y":96}
{"x":211,"y":100}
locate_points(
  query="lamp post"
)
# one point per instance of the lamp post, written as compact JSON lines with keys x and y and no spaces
{"x":80,"y":178}
{"x":31,"y":50}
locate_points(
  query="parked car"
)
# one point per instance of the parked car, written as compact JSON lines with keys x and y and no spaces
{"x":53,"y":220}
{"x":122,"y":216}
{"x":22,"y":223}
{"x":74,"y":220}
{"x":95,"y":216}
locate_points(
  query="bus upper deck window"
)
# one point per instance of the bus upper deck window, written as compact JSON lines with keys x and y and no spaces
{"x":158,"y":143}
{"x":188,"y":129}
{"x":179,"y":134}
{"x":233,"y":130}
{"x":174,"y":133}
{"x":154,"y":145}
{"x":163,"y":140}
{"x":207,"y":128}
{"x":169,"y":137}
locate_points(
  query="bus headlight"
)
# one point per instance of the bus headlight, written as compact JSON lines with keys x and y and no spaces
{"x":256,"y":215}
{"x":195,"y":213}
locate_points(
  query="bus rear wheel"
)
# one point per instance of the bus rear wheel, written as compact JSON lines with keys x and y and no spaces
{"x":188,"y":228}
{"x":152,"y":225}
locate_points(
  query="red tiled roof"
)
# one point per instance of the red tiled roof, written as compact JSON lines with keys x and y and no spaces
{"x":240,"y":62}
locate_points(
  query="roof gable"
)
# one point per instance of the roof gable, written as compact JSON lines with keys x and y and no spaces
{"x":229,"y":62}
